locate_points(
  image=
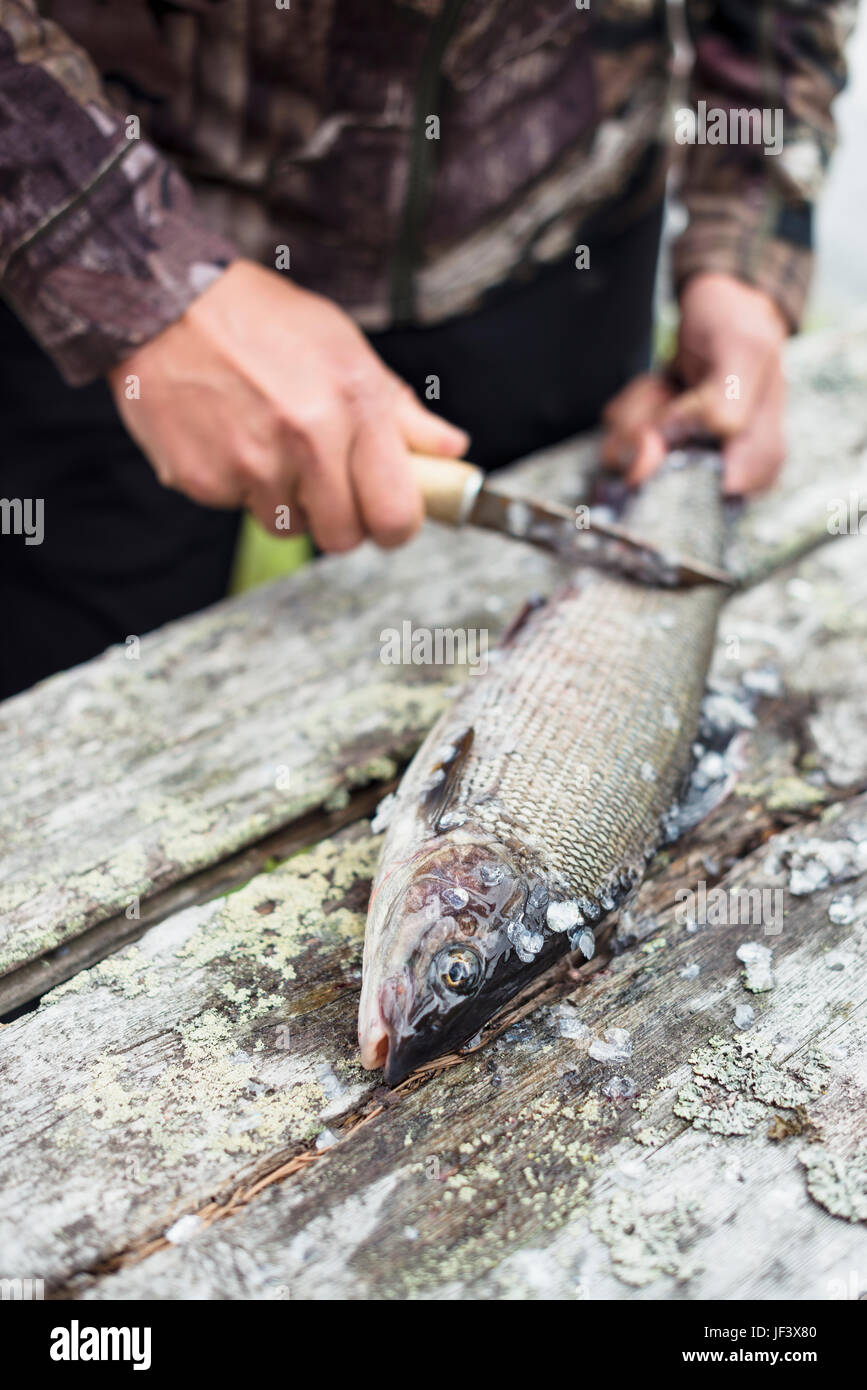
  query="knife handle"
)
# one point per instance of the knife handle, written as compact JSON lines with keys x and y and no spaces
{"x":449,"y":487}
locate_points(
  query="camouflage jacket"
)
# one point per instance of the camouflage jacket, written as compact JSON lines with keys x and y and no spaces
{"x":401,"y":156}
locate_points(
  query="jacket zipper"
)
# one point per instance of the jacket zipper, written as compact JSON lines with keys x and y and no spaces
{"x":421,"y":164}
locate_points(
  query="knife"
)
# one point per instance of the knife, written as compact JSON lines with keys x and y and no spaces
{"x":457,"y":493}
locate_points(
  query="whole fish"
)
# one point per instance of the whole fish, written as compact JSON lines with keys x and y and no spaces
{"x":531,"y":809}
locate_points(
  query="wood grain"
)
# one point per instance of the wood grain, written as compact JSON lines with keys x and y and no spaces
{"x":208,"y":1073}
{"x":139,"y":769}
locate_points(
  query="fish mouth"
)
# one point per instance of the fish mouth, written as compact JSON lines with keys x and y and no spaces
{"x":415,"y":1048}
{"x":406,"y":1041}
{"x":379,"y":1053}
{"x":397,"y":1067}
{"x":374,"y":1045}
{"x":378,"y":1033}
{"x":393,"y":1040}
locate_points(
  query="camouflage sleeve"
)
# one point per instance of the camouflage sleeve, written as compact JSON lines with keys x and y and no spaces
{"x":100,"y":246}
{"x":750,"y":200}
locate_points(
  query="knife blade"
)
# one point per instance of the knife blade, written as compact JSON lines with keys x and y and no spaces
{"x":458,"y":493}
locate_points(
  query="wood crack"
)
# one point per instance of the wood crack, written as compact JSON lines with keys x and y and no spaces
{"x":287,"y":1165}
{"x":21,"y":989}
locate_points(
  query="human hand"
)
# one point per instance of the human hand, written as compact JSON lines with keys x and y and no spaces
{"x":728,"y":366}
{"x":264,"y":395}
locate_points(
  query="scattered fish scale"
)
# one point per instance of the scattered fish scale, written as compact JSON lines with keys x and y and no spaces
{"x":764,"y":680}
{"x":571,"y":1025}
{"x":814,"y":864}
{"x":382,"y":815}
{"x":619,"y":1088}
{"x":563,"y":916}
{"x":758,"y":976}
{"x":614,"y":1046}
{"x":585,"y":942}
{"x":842,"y":911}
{"x":744,"y":1016}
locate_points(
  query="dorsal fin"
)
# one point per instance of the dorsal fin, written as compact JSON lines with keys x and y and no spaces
{"x":437,"y":798}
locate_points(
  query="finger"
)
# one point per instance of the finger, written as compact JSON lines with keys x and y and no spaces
{"x":388,"y":497}
{"x":277,"y":513}
{"x":637,"y":403}
{"x":324,"y":490}
{"x":754,"y":460}
{"x":425,"y":432}
{"x":724,"y":400}
{"x":628,"y":416}
{"x":649,"y":456}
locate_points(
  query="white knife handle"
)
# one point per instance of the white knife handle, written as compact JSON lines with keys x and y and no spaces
{"x":449,"y":487}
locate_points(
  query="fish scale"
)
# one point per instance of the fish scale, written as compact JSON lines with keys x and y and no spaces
{"x":560,"y":764}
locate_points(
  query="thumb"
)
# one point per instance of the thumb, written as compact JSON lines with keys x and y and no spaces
{"x":704,"y":410}
{"x":720,"y":403}
{"x":427,"y":433}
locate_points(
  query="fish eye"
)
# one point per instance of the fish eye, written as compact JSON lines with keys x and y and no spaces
{"x":458,"y":969}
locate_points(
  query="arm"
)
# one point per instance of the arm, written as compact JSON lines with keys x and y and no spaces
{"x":742,"y":266}
{"x":100,"y":247}
{"x":241,"y":388}
{"x":751,"y":212}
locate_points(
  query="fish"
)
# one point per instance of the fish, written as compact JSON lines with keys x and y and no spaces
{"x":528,"y":815}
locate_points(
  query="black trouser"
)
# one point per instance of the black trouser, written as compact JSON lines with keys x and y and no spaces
{"x":122,"y":555}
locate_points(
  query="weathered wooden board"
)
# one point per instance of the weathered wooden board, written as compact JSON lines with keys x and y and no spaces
{"x":19,"y":988}
{"x":177,"y":1063}
{"x":802,"y":637}
{"x":217,"y":1047}
{"x":517,"y":1175}
{"x":125,"y":776}
{"x":827,"y":453}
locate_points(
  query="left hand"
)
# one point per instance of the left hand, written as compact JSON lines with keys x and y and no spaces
{"x":729,"y":361}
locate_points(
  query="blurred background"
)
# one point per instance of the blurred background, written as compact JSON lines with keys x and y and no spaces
{"x":839,"y":289}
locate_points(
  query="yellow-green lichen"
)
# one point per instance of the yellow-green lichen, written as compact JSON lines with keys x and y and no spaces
{"x":788,"y":793}
{"x":837,"y":1183}
{"x":735,"y":1084}
{"x":304,"y":899}
{"x":207,"y":1100}
{"x":648,"y":1240}
{"x":128,"y":972}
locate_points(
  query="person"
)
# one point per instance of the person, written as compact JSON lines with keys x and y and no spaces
{"x":254,"y":253}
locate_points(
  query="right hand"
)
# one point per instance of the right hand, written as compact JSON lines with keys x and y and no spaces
{"x":264,"y":395}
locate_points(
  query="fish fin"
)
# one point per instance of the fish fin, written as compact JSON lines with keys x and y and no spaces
{"x":436,"y":800}
{"x":521,"y":618}
{"x":625,"y":934}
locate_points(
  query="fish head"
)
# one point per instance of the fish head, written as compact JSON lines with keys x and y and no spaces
{"x":439,"y":957}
